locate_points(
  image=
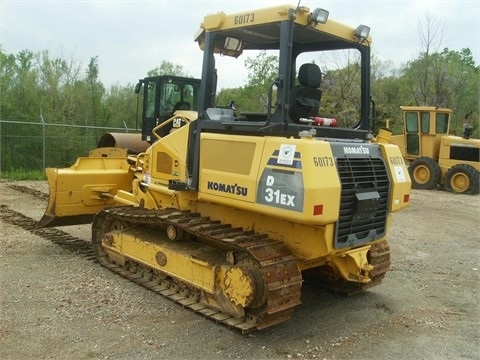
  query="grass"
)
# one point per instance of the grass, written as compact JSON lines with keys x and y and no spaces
{"x":22,"y":174}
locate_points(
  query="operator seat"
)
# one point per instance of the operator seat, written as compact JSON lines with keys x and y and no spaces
{"x":181,"y":105}
{"x":304,"y":100}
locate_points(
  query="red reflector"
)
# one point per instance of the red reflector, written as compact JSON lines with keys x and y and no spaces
{"x":317,"y":209}
{"x":406,"y":198}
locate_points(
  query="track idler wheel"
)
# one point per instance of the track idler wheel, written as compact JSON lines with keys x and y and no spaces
{"x":174,"y":233}
{"x":244,"y":284}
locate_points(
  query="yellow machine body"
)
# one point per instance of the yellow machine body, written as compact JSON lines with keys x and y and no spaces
{"x":286,"y":188}
{"x":227,"y":213}
{"x":435,"y":156}
{"x":77,"y":193}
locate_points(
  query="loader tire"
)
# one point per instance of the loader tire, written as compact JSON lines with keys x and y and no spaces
{"x":425,"y":173}
{"x":462,"y":179}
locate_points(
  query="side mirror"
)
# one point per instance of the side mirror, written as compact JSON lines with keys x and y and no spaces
{"x":138,"y":87}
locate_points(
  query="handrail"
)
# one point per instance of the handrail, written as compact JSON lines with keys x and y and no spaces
{"x":166,"y":122}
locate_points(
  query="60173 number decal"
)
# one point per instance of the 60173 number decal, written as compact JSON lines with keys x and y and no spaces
{"x":396,"y":160}
{"x":323,"y":161}
{"x":244,"y":19}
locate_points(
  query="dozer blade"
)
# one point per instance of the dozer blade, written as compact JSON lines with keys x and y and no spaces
{"x":77,"y":193}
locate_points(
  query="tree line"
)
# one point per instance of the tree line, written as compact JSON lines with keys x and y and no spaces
{"x":38,"y":86}
{"x":445,"y":79}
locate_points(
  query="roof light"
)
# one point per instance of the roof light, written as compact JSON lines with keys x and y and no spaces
{"x":233,"y":44}
{"x":362,"y":32}
{"x":318,"y":16}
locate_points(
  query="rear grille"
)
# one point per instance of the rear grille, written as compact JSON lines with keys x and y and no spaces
{"x":364,"y":201}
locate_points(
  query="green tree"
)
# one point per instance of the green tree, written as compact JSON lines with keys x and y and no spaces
{"x":18,"y":87}
{"x":453,"y":82}
{"x":431,"y":35}
{"x":253,"y":97}
{"x":59,"y":92}
{"x":386,"y":90}
{"x":168,"y":68}
{"x":8,"y":81}
{"x":263,"y":71}
{"x":95,"y":87}
{"x":341,"y":91}
{"x":120,"y":107}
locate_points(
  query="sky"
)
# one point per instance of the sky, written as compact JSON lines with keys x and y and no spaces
{"x":132,"y":37}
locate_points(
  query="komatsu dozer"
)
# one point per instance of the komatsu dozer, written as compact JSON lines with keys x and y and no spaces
{"x":227,"y":213}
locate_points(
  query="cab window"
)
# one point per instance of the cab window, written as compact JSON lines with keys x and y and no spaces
{"x":411,"y":122}
{"x":151,"y":95}
{"x":441,"y":125}
{"x":425,"y":123}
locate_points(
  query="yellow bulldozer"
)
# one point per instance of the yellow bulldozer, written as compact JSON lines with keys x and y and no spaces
{"x":227,"y":213}
{"x":435,"y":157}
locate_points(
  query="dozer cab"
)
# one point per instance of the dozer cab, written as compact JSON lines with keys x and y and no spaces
{"x":435,"y":157}
{"x":228,"y":213}
{"x":161,"y":96}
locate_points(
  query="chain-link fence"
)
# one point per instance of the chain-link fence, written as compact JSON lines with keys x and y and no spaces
{"x":30,"y":146}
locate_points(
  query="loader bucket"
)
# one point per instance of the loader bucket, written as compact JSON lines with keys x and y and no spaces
{"x":77,"y":193}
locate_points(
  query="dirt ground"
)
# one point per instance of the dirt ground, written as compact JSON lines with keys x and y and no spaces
{"x":57,"y":304}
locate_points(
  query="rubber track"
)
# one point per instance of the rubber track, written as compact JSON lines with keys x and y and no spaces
{"x":27,"y":190}
{"x":284,"y":264}
{"x":278,"y":265}
{"x":379,"y":257}
{"x":59,"y":237}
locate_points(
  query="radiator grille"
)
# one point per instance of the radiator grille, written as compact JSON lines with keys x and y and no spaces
{"x":359,"y":223}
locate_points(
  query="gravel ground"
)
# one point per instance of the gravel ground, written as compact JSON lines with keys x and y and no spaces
{"x":56,"y":304}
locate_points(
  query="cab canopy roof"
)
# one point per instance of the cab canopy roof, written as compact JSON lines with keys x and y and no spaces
{"x":260,"y":29}
{"x":425,"y":108}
